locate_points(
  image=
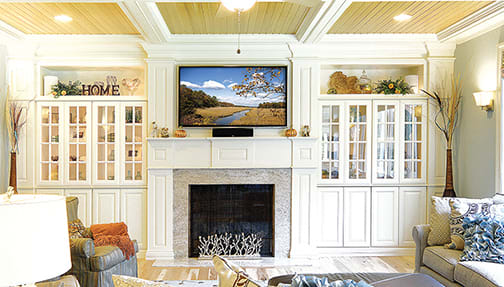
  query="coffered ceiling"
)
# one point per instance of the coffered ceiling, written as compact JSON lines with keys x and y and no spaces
{"x":88,"y":18}
{"x":427,"y":16}
{"x":263,"y":18}
{"x":308,"y":21}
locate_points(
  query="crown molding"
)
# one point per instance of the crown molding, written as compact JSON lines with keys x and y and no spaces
{"x":10,"y":32}
{"x":476,"y":24}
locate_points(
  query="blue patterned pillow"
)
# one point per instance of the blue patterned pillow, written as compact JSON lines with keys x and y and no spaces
{"x":484,"y":239}
{"x":313,"y":281}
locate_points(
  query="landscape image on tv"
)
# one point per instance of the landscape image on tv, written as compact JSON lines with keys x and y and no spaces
{"x":232,"y":96}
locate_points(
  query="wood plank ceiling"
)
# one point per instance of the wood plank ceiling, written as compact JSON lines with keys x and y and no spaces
{"x":428,"y":16}
{"x":263,"y":18}
{"x":88,"y":18}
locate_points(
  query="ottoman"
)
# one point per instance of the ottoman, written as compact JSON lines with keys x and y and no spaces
{"x":375,"y":279}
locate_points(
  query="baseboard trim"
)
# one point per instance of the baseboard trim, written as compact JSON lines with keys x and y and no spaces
{"x":159,"y":255}
{"x":365,"y":251}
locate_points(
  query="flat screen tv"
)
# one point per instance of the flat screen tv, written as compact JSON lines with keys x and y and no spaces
{"x":244,"y":96}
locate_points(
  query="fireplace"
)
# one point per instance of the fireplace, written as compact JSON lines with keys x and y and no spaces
{"x":233,"y":209}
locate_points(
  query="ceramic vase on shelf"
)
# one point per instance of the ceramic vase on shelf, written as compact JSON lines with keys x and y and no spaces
{"x":449,"y":191}
{"x":13,"y":176}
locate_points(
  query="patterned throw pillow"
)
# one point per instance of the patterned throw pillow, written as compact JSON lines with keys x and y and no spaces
{"x":231,"y":275}
{"x":313,"y":281}
{"x":127,"y":281}
{"x":498,"y":198}
{"x":459,"y":211}
{"x":440,"y":218}
{"x":76,"y":229}
{"x":484,"y":239}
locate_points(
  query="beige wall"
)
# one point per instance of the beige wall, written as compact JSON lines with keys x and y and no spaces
{"x":4,"y":157}
{"x":475,"y":139}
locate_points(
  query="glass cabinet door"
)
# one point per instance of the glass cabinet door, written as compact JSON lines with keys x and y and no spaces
{"x":331,"y":138}
{"x":77,"y":164}
{"x":134,"y":133}
{"x":385,"y":143}
{"x":414,"y":145}
{"x":106,"y":138}
{"x":358,"y":145}
{"x":50,"y":135}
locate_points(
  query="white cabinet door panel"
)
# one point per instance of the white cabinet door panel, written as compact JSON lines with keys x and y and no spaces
{"x":385,"y":220}
{"x":412,"y":203}
{"x":85,"y":203}
{"x":133,"y":213}
{"x":105,"y":205}
{"x":330,"y":210}
{"x":357,"y":219}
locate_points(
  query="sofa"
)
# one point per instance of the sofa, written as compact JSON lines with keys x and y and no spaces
{"x":444,"y":264}
{"x":93,"y":266}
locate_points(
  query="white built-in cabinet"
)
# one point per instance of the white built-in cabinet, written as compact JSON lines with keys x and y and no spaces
{"x":372,"y":179}
{"x":95,"y":150}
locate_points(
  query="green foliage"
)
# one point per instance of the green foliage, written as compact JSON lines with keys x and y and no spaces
{"x":272,"y":106}
{"x":70,"y":89}
{"x":191,"y":100}
{"x":393,"y":87}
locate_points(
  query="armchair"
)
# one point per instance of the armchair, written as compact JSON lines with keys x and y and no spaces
{"x":94,"y":266}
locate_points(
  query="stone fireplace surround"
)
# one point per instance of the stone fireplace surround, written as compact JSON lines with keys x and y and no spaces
{"x":280,"y":177}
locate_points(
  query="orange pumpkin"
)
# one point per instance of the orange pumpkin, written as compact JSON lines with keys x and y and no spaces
{"x":180,"y":134}
{"x":291,"y":132}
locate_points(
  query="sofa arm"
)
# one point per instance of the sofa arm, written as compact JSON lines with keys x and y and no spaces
{"x":420,"y":235}
{"x":82,"y":247}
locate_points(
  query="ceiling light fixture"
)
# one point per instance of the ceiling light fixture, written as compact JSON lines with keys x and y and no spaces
{"x":402,"y":17}
{"x":238,"y":5}
{"x":63,"y":18}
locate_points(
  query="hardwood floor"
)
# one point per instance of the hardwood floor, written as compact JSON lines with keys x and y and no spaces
{"x":389,"y":264}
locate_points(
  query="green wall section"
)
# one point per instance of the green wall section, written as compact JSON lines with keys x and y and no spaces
{"x":475,"y":139}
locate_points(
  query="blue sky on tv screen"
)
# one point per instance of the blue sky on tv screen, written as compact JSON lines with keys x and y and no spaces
{"x":218,"y":82}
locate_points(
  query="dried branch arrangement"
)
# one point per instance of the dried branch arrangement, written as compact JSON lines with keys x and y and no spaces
{"x":228,"y":244}
{"x":16,"y":119}
{"x":448,"y":105}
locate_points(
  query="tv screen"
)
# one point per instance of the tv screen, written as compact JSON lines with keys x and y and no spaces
{"x":232,"y":96}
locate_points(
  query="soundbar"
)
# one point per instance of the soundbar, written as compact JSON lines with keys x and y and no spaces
{"x":232,"y":132}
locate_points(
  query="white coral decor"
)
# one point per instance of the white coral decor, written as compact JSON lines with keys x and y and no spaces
{"x":228,"y":244}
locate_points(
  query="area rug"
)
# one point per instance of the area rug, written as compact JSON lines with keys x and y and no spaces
{"x":247,"y":263}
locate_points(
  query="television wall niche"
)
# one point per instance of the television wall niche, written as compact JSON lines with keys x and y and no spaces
{"x":236,"y":96}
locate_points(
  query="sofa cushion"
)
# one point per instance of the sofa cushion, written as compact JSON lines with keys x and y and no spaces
{"x":481,"y":274}
{"x":442,"y":260}
{"x":106,"y":257}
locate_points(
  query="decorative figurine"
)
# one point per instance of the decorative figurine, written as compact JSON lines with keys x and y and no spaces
{"x":154,"y":132}
{"x":131,"y":84}
{"x":164,"y":133}
{"x":305,"y":131}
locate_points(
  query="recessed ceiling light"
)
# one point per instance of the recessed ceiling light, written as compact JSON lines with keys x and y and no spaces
{"x":402,"y":17}
{"x":63,"y":18}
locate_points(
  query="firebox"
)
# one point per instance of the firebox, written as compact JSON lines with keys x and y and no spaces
{"x":232,"y":209}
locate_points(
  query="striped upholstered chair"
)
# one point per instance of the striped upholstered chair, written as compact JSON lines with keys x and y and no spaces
{"x":94,"y":266}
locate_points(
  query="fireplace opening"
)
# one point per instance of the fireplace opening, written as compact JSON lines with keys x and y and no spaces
{"x":232,"y":209}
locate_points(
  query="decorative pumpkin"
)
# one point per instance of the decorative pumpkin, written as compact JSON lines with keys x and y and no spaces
{"x":180,"y":133}
{"x":291,"y":132}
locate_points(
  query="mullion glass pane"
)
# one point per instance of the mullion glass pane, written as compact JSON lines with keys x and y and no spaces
{"x":326,"y":114}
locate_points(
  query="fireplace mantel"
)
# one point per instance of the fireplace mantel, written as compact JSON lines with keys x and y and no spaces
{"x":291,"y":163}
{"x":226,"y":152}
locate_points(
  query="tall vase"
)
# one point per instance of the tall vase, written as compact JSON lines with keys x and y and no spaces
{"x":13,"y":177}
{"x":449,"y":191}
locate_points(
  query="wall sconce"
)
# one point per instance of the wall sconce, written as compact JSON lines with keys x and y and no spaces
{"x":484,"y":100}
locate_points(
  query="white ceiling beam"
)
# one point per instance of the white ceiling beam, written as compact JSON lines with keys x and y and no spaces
{"x":147,"y":19}
{"x":11,"y":32}
{"x":319,"y":24}
{"x":478,"y":23}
